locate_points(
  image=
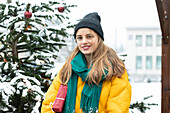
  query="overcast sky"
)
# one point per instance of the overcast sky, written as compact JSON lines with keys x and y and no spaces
{"x":120,"y":13}
{"x":116,"y":15}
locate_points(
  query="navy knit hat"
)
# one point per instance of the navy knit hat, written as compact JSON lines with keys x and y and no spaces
{"x":92,"y":21}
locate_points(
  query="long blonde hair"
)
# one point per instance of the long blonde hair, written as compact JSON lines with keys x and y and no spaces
{"x":104,"y":58}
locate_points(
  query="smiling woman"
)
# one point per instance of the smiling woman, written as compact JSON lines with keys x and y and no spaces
{"x":96,"y":78}
{"x":87,"y":41}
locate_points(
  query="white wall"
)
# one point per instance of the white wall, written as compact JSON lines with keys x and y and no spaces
{"x":133,"y":51}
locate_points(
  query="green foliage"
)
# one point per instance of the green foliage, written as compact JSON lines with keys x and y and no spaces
{"x":22,"y":104}
{"x":142,"y":106}
{"x":27,"y":50}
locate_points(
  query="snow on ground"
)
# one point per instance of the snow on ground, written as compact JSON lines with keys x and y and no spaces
{"x":141,"y":90}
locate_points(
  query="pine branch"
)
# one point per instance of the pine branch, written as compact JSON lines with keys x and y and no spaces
{"x":141,"y":106}
{"x":30,"y":31}
{"x":48,"y":8}
{"x":23,"y":51}
{"x":17,"y":37}
{"x":3,"y":26}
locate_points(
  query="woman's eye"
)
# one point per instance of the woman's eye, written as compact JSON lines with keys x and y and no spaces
{"x":89,"y":37}
{"x":79,"y":37}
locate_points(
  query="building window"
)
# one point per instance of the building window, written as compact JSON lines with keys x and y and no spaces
{"x":138,"y":40}
{"x":158,"y":40}
{"x":130,"y":37}
{"x":148,"y":40}
{"x":148,"y":62}
{"x":158,"y":62}
{"x":138,"y":62}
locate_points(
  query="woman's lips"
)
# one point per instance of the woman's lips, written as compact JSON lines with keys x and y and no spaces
{"x":85,"y":47}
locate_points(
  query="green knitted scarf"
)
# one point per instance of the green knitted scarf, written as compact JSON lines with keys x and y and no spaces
{"x":90,"y":95}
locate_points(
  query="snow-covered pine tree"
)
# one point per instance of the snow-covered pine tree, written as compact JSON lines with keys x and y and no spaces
{"x":30,"y":38}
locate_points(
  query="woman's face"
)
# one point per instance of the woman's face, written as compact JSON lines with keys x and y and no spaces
{"x":87,"y":40}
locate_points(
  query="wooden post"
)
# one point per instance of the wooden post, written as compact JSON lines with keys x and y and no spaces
{"x":163,"y":12}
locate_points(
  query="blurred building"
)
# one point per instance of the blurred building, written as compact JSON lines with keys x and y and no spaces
{"x":65,"y":51}
{"x":143,"y":60}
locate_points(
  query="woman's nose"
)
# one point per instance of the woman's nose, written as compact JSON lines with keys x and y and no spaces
{"x":84,"y":40}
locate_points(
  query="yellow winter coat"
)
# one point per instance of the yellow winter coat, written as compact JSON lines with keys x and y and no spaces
{"x":115,"y":95}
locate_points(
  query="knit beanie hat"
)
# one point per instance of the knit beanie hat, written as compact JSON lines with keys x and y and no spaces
{"x":92,"y":21}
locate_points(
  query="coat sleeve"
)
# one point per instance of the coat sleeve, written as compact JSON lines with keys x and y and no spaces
{"x":51,"y":95}
{"x":120,"y":95}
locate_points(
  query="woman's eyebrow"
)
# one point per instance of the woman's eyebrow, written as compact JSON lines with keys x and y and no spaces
{"x":78,"y":35}
{"x":89,"y":34}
